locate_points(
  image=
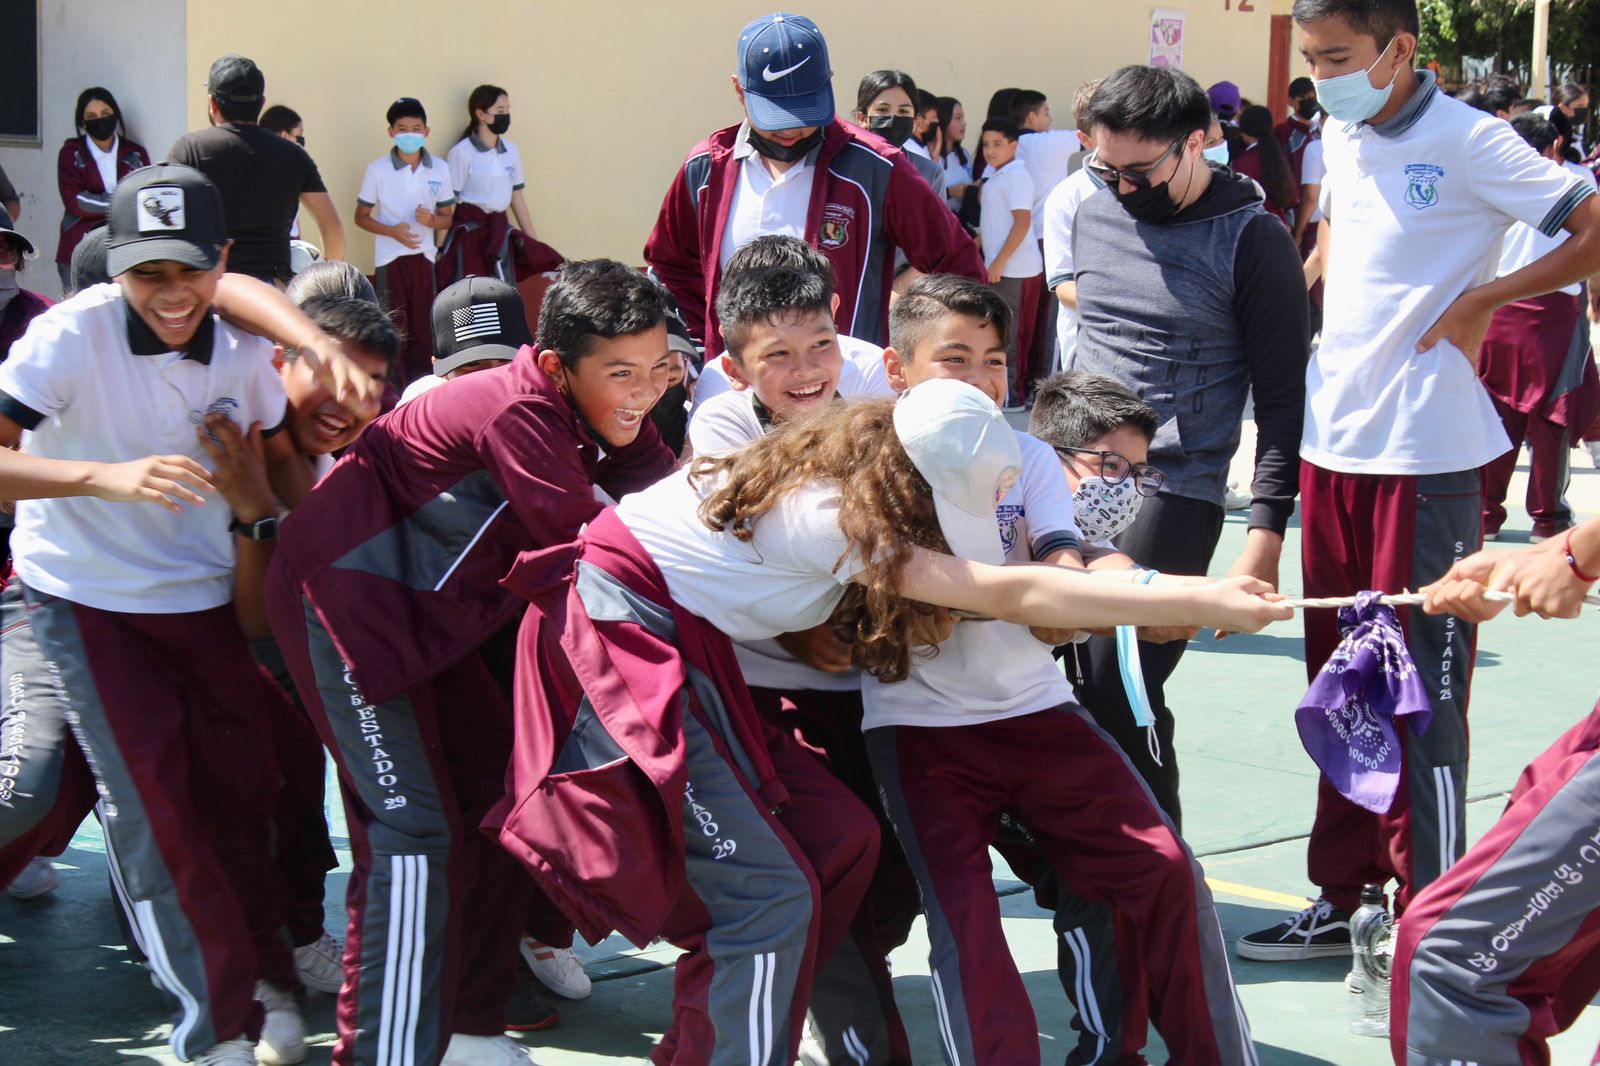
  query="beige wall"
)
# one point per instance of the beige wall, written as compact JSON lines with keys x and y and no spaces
{"x":608,"y":95}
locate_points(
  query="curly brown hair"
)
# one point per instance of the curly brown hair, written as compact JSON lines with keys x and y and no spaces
{"x":885,"y":510}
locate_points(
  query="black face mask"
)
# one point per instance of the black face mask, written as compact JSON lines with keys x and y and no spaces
{"x":896,"y":129}
{"x":1148,"y":205}
{"x":785,"y":154}
{"x":499,"y":124}
{"x":102,"y":128}
{"x":1580,"y":115}
{"x":932,"y":135}
{"x":301,"y":140}
{"x":1307,"y":108}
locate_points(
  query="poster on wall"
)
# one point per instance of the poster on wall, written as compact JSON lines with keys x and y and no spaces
{"x":1166,"y":38}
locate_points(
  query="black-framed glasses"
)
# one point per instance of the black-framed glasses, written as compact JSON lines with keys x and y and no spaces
{"x":1115,"y":468}
{"x":1138,"y":178}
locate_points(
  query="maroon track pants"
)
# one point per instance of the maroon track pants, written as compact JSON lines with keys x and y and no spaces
{"x":1503,"y":951}
{"x":172,"y":714}
{"x":1389,"y":532}
{"x":406,"y":290}
{"x":1100,"y":829}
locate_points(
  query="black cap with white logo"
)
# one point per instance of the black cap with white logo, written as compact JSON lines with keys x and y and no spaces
{"x":236,"y":80}
{"x":165,"y":212}
{"x":475,"y":319}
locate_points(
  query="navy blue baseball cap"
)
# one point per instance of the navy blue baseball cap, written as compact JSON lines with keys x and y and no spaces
{"x":785,"y":73}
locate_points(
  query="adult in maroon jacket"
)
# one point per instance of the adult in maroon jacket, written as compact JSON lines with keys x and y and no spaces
{"x":793,"y":167}
{"x":385,"y":585}
{"x":100,"y":149}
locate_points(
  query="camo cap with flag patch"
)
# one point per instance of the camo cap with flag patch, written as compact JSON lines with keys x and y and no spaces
{"x":476,"y":319}
{"x":165,"y":212}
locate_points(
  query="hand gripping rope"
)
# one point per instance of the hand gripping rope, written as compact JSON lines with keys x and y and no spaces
{"x":1406,"y":599}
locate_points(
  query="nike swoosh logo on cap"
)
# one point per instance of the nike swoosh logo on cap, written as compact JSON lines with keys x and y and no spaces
{"x":768,"y":74}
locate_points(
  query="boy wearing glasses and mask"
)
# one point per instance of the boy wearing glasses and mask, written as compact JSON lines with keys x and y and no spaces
{"x":1422,"y":190}
{"x":988,"y":728}
{"x":1191,"y":295}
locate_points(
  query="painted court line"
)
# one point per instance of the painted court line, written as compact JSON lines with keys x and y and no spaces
{"x":1264,"y":895}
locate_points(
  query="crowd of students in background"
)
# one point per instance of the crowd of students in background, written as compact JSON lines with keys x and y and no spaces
{"x":620,"y":615}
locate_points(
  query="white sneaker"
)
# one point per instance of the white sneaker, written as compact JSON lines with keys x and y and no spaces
{"x":1234,"y":500}
{"x":1593,"y":448}
{"x":557,"y":968}
{"x":466,"y":1050}
{"x":320,"y":964}
{"x":237,"y":1052}
{"x":38,"y":878}
{"x":283,"y":1033}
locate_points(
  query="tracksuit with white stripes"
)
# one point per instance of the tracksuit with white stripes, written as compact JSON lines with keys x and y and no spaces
{"x":385,"y":585}
{"x":1503,"y":951}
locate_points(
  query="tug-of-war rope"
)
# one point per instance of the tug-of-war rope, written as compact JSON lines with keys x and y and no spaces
{"x":1406,"y":599}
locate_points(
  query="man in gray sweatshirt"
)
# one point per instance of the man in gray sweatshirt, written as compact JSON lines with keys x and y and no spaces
{"x":1191,"y":294}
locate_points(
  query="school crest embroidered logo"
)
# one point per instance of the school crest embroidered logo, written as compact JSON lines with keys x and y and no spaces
{"x":1422,"y":189}
{"x":835,"y":231}
{"x":433,"y":190}
{"x":1007,"y":516}
{"x":160,"y":208}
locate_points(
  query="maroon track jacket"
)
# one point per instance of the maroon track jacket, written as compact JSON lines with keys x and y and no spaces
{"x":401,"y":548}
{"x":866,"y":201}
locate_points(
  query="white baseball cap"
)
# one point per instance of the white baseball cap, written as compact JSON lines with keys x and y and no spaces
{"x":962,"y":446}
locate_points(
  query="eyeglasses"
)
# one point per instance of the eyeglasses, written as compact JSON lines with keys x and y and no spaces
{"x":1115,"y":468}
{"x":1137,"y":178}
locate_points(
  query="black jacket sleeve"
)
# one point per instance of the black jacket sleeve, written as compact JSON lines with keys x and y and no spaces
{"x":1273,"y":310}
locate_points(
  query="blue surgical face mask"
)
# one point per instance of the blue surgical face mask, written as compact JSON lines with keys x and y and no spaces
{"x":1351,"y":97}
{"x":1217,"y":153}
{"x":409,"y":142}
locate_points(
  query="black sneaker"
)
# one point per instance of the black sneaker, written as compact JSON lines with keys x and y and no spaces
{"x":1320,"y":931}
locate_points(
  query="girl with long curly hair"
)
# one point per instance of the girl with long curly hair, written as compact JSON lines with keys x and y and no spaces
{"x":647,"y":796}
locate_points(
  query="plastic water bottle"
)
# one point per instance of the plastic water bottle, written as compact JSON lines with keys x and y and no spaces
{"x":1372,"y":948}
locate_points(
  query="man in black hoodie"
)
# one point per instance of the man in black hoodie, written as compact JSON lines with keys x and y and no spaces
{"x":1192,"y":295}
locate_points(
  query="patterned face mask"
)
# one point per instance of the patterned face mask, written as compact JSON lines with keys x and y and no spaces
{"x":1104,"y":509}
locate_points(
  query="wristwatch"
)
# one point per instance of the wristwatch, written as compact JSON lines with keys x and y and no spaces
{"x":259,"y":530}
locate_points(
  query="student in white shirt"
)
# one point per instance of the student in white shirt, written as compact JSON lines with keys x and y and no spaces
{"x":1539,"y":371}
{"x":785,"y":359}
{"x":407,"y":198}
{"x":1419,"y":193}
{"x":861,"y":369}
{"x":957,"y":163}
{"x":108,"y":394}
{"x":989,"y":727}
{"x":1012,"y":256}
{"x":486,"y":170}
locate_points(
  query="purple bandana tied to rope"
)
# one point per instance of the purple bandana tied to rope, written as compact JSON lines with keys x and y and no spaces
{"x":1347,"y":719}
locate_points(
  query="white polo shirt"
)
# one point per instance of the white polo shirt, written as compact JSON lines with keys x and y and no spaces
{"x":1060,"y":211}
{"x":987,"y":671}
{"x":105,"y":162}
{"x":861,"y":376}
{"x":1312,"y":172}
{"x":485,"y":176}
{"x":763,"y":204}
{"x":1418,"y":210}
{"x":725,"y":424}
{"x":75,"y":384}
{"x":394,"y":191}
{"x":955,"y":173}
{"x":786,"y":578}
{"x":1006,"y":190}
{"x":1046,"y":154}
{"x":1524,"y":244}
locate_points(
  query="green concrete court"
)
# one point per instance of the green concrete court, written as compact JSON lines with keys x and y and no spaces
{"x":68,"y":994}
